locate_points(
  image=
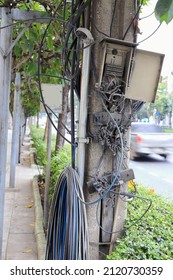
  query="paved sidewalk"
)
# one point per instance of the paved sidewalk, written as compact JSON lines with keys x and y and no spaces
{"x":19,"y":242}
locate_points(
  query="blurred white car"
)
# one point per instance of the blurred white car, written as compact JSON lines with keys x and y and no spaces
{"x":149,"y":139}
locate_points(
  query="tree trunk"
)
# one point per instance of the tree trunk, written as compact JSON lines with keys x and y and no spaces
{"x":38,"y":120}
{"x":62,"y":120}
{"x":46,"y":129}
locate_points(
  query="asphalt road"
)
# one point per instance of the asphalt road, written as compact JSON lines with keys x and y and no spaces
{"x":156,"y":173}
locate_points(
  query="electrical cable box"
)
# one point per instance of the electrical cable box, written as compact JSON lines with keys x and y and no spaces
{"x":137,"y":70}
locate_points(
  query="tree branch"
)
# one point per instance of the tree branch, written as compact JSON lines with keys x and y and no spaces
{"x":26,"y":58}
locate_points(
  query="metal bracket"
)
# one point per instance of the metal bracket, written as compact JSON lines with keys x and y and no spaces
{"x":127,"y":175}
{"x":84,"y":140}
{"x":87,"y":36}
{"x":97,"y":184}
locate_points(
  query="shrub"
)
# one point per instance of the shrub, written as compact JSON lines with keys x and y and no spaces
{"x":152,"y":237}
{"x":37,"y":135}
{"x":39,"y":145}
{"x":58,"y":162}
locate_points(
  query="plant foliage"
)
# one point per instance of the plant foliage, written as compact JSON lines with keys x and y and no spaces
{"x":152,"y":237}
{"x":39,"y":145}
{"x":164,"y":10}
{"x":58,"y":162}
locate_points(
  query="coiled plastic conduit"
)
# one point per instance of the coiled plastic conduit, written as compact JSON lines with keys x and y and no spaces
{"x":67,"y":237}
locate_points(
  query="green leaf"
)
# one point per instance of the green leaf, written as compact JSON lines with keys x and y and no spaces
{"x":164,"y":10}
{"x":144,"y":2}
{"x":27,"y":34}
{"x":32,"y":67}
{"x":50,"y":43}
{"x":17,"y":51}
{"x":28,"y":46}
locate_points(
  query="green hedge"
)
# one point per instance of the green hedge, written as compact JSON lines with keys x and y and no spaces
{"x":58,"y":162}
{"x":152,"y":237}
{"x":39,"y":145}
{"x":149,"y":239}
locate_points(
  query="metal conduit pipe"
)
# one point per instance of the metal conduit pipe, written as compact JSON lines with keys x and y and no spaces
{"x":87,"y":41}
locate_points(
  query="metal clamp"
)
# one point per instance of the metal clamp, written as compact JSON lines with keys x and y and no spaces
{"x":84,"y":140}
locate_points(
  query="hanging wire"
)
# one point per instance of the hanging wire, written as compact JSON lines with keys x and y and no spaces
{"x":71,"y":56}
{"x":39,"y":75}
{"x":141,"y":18}
{"x":119,"y":165}
{"x":150,"y":34}
{"x":40,"y":99}
{"x":130,"y":195}
{"x":67,"y":237}
{"x":67,"y":230}
{"x":113,"y":14}
{"x":132,"y":21}
{"x":15,"y":24}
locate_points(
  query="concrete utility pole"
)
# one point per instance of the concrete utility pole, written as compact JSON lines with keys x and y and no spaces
{"x":47,"y":180}
{"x":109,"y":19}
{"x":15,"y":135}
{"x":5,"y":78}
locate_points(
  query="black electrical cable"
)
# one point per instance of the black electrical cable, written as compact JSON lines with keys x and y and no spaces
{"x":39,"y":75}
{"x":113,"y":14}
{"x":119,"y":165}
{"x":134,"y":222}
{"x":67,"y":230}
{"x":150,"y":34}
{"x":109,"y":189}
{"x":67,"y":237}
{"x":135,"y":17}
{"x":71,"y":60}
{"x":73,"y":24}
{"x":32,"y":20}
{"x":72,"y":119}
{"x":99,"y":31}
{"x":136,"y":106}
{"x":45,"y":105}
{"x":141,"y":18}
{"x":72,"y":86}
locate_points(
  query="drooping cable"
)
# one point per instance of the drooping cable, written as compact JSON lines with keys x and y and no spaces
{"x":113,"y":14}
{"x":72,"y":93}
{"x":130,"y":195}
{"x":39,"y":74}
{"x":117,"y":173}
{"x":71,"y":61}
{"x":150,"y":34}
{"x":135,"y":17}
{"x":41,"y":101}
{"x":67,"y":237}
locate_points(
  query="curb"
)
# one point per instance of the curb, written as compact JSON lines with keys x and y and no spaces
{"x":39,"y":231}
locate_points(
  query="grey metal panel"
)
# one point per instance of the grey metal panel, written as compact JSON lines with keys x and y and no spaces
{"x":52,"y":94}
{"x":145,"y":76}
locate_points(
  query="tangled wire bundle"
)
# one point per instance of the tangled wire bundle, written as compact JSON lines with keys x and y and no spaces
{"x":67,"y":231}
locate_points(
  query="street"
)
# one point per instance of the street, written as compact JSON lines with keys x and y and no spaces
{"x":154,"y":172}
